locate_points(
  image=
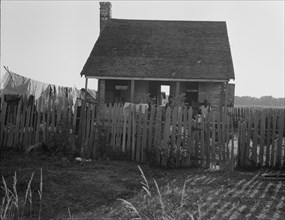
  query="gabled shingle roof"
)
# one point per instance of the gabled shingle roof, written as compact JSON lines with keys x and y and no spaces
{"x":161,"y":49}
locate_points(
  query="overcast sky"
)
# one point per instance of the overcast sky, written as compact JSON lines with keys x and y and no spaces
{"x":50,"y":41}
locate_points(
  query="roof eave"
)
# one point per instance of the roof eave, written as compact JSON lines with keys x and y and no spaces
{"x":157,"y":79}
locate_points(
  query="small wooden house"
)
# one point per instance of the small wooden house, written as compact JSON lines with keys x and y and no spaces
{"x":133,"y":58}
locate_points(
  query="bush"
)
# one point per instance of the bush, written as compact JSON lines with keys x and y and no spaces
{"x":60,"y":141}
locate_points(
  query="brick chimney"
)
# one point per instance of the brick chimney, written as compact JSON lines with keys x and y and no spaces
{"x":105,"y":13}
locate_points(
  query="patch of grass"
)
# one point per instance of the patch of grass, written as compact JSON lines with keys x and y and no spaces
{"x":165,"y":204}
{"x":13,"y":206}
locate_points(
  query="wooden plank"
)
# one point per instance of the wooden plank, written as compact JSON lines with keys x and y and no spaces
{"x":255,"y":138}
{"x":233,"y":145}
{"x":38,"y":128}
{"x":190,"y":138}
{"x":223,"y":135}
{"x":48,"y":112}
{"x":91,"y":143}
{"x":262,"y":139}
{"x":151,"y":130}
{"x":184,"y":139}
{"x":283,"y":135}
{"x":243,"y":143}
{"x":53,"y":115}
{"x":33,"y":140}
{"x":166,"y":134}
{"x":117,"y":124}
{"x":109,"y":124}
{"x":13,"y":125}
{"x":31,"y":126}
{"x":10,"y":132}
{"x":44,"y":125}
{"x":158,"y":135}
{"x":196,"y":143}
{"x":121,"y":126}
{"x":2,"y":123}
{"x":86,"y":137}
{"x":144,"y":138}
{"x":118,"y":128}
{"x":280,"y":138}
{"x":69,"y":119}
{"x":113,"y":133}
{"x":248,"y":135}
{"x":6,"y":126}
{"x":23,"y":121}
{"x":74,"y":116}
{"x":128,"y":149}
{"x":27,"y":124}
{"x":133,"y":112}
{"x":213,"y":145}
{"x":240,"y":156}
{"x":207,"y":141}
{"x":268,"y":137}
{"x":65,"y":109}
{"x":18,"y":122}
{"x":59,"y":112}
{"x":202,"y":141}
{"x":179,"y":134}
{"x":227,"y":121}
{"x":174,"y":125}
{"x":139,"y":140}
{"x":219,"y":132}
{"x":273,"y":145}
{"x":124,"y":130}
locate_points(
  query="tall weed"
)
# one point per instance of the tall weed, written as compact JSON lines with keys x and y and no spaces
{"x":12,"y":206}
{"x":166,"y":204}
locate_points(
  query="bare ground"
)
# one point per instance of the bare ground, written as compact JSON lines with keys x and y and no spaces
{"x":91,"y":190}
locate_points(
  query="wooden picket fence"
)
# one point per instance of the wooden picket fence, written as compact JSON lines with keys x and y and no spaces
{"x":31,"y":122}
{"x":171,"y":137}
{"x":261,"y":138}
{"x":165,"y":137}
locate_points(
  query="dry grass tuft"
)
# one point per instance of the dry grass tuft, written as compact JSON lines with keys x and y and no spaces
{"x":166,"y":204}
{"x":12,"y":206}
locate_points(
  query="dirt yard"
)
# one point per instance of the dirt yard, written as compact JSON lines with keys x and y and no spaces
{"x":91,"y":190}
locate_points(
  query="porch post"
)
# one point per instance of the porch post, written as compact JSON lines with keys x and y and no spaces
{"x":101,"y":91}
{"x":177,"y":88}
{"x":132,"y":90}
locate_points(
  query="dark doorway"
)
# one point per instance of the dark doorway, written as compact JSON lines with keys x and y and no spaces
{"x":191,"y":94}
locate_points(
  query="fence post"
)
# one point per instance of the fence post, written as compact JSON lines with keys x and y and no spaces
{"x":166,"y":136}
{"x":255,"y":140}
{"x":157,"y":144}
{"x":18,"y":121}
{"x":262,"y":134}
{"x":144,"y":133}
{"x":268,"y":136}
{"x":280,"y":138}
{"x":189,"y":137}
{"x":2,"y":123}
